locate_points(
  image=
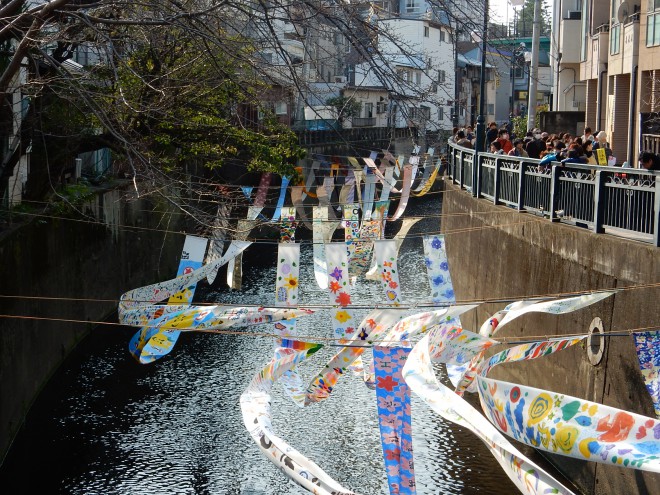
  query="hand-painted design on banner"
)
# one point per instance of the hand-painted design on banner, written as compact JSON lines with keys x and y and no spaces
{"x":288,"y":224}
{"x":386,"y":260}
{"x":321,"y":234}
{"x":280,"y":201}
{"x":351,"y":227}
{"x":393,"y":396}
{"x":255,"y":406}
{"x":151,"y":343}
{"x":570,"y":426}
{"x":647,"y":345}
{"x":418,"y":374}
{"x":342,"y":319}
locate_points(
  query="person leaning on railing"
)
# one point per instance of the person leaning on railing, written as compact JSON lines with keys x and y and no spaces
{"x":649,"y":160}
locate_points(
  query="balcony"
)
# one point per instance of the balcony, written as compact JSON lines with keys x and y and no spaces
{"x":363,"y":121}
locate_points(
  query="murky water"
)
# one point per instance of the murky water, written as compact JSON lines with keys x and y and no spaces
{"x":105,"y":424}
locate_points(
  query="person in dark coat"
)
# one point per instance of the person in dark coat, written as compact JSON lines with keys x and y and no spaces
{"x":649,"y":160}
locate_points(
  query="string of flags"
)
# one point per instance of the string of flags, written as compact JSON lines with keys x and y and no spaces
{"x":405,"y":345}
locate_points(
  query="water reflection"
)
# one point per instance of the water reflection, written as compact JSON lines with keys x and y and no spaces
{"x":107,"y":425}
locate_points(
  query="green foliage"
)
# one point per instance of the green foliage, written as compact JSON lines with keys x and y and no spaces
{"x":525,"y":19}
{"x":346,"y":107}
{"x":519,"y":124}
{"x":72,"y":198}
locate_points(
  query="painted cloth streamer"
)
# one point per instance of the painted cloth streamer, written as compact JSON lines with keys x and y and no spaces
{"x":370,"y":181}
{"x":310,"y":178}
{"x":376,"y":322}
{"x":255,"y":407}
{"x":647,"y":345}
{"x":235,"y":266}
{"x":324,"y":194}
{"x":394,"y":419}
{"x":406,"y":225}
{"x":297,"y":196}
{"x":405,"y":193}
{"x":286,"y":293}
{"x":132,"y":304}
{"x":418,"y":374}
{"x":347,"y":192}
{"x":426,"y":186}
{"x":321,"y":234}
{"x":386,"y":260}
{"x":342,"y":319}
{"x":442,"y":289}
{"x":288,"y":224}
{"x":218,"y":236}
{"x":570,"y":426}
{"x":151,"y":343}
{"x":280,"y":199}
{"x":360,"y":260}
{"x":428,"y":170}
{"x":351,"y":227}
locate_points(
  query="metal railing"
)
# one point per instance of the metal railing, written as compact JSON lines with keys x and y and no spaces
{"x":620,"y":201}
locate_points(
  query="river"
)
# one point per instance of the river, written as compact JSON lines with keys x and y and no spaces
{"x":106,"y":425}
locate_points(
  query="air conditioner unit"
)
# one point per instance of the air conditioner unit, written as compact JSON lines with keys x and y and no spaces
{"x":573,"y":15}
{"x":340,"y":79}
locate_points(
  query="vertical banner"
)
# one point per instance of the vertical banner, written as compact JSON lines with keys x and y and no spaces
{"x":339,"y":291}
{"x":385,"y":251}
{"x":405,"y":192}
{"x":347,"y":193}
{"x":143,"y":346}
{"x":280,"y":200}
{"x":370,"y":181}
{"x":394,"y":419}
{"x":351,"y":227}
{"x":322,"y":232}
{"x":217,"y":238}
{"x":647,"y":345}
{"x":235,"y":266}
{"x":288,"y":224}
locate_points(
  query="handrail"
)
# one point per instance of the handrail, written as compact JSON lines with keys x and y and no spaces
{"x":624,"y":202}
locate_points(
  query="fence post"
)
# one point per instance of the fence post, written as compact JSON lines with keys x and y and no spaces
{"x":656,"y":218}
{"x":521,"y":186}
{"x":599,"y":203}
{"x":475,"y":175}
{"x":496,"y":181}
{"x":462,"y":160}
{"x":554,"y":193}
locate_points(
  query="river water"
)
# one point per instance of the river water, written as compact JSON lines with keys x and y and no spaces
{"x":106,"y":425}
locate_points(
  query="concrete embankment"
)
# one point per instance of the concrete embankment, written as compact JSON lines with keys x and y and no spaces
{"x":497,"y":252}
{"x":63,"y":270}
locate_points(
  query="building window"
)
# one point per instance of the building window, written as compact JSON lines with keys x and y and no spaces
{"x":426,"y":31}
{"x":381,"y":107}
{"x":434,"y":88}
{"x":441,"y":76}
{"x":280,"y":108}
{"x":653,"y":28}
{"x":425,"y":112}
{"x":411,"y":6}
{"x":491,"y":109}
{"x":615,"y":39}
{"x":418,"y":77}
{"x":442,"y":36}
{"x":368,"y":110}
{"x":441,"y":113}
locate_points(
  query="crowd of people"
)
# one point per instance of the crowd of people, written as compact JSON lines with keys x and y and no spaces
{"x":589,"y":148}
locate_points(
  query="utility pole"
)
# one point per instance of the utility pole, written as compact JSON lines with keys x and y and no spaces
{"x":534,"y":69}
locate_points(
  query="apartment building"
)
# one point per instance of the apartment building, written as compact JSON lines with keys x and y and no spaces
{"x":608,"y":57}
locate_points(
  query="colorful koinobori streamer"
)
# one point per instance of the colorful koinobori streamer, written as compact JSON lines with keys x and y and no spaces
{"x":370,"y":181}
{"x":426,"y":186}
{"x":405,"y":193}
{"x":136,"y":308}
{"x":442,"y":289}
{"x":342,"y":319}
{"x":150,"y":343}
{"x":394,"y":419}
{"x":221,"y":223}
{"x":406,"y":225}
{"x":351,"y":227}
{"x":418,"y":374}
{"x":570,"y":426}
{"x":235,"y":265}
{"x":428,"y":170}
{"x":647,"y":345}
{"x":255,"y":407}
{"x":218,"y":235}
{"x":280,"y":200}
{"x":321,"y":234}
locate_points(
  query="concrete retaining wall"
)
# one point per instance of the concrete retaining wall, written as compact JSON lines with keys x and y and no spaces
{"x":512,"y":254}
{"x":51,"y":258}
